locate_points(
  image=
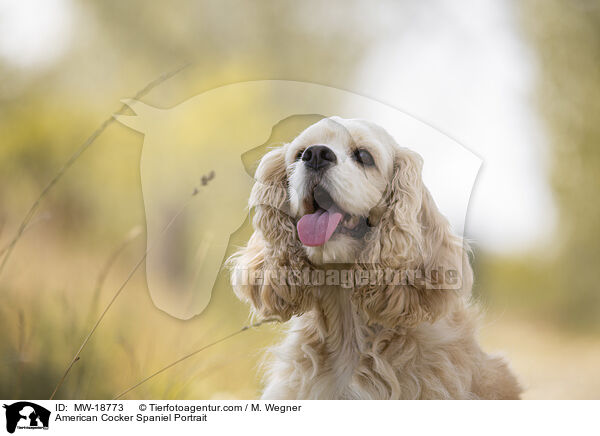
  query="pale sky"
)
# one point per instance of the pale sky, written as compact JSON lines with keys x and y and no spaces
{"x":34,"y":32}
{"x":464,"y":68}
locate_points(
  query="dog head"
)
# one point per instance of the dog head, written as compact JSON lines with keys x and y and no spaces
{"x":344,"y":192}
{"x":338,"y":171}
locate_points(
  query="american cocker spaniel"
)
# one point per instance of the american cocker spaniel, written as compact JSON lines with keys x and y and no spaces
{"x":350,"y":249}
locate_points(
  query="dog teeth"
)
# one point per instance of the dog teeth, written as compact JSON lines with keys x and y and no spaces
{"x":351,"y":222}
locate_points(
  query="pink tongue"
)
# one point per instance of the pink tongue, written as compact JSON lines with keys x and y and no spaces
{"x":316,"y":228}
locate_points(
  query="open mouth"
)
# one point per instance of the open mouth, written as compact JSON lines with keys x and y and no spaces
{"x":324,"y":218}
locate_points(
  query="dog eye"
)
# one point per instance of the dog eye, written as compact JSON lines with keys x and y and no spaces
{"x":364,"y":158}
{"x":299,"y":154}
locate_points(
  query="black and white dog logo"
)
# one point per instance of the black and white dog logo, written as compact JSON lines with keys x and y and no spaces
{"x":26,"y":415}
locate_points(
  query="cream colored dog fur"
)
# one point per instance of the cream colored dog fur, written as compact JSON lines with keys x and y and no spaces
{"x":412,"y":339}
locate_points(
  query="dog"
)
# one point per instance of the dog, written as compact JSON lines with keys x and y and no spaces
{"x":343,"y":199}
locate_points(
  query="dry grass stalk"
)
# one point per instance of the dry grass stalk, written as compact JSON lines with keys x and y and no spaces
{"x":34,"y":207}
{"x":193,"y":353}
{"x":140,"y":262}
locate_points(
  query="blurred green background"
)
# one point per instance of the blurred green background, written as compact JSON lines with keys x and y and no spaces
{"x":64,"y":67}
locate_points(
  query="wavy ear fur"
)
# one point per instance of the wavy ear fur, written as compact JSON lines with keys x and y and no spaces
{"x":265,"y":272}
{"x":413,"y":239}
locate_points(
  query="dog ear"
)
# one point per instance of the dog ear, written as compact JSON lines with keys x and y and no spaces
{"x":414,"y":241}
{"x":270,"y":187}
{"x":267,"y":272}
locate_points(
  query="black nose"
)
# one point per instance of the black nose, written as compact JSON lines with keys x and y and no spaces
{"x":318,"y":157}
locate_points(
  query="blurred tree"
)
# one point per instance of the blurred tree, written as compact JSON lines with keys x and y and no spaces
{"x":567,"y":38}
